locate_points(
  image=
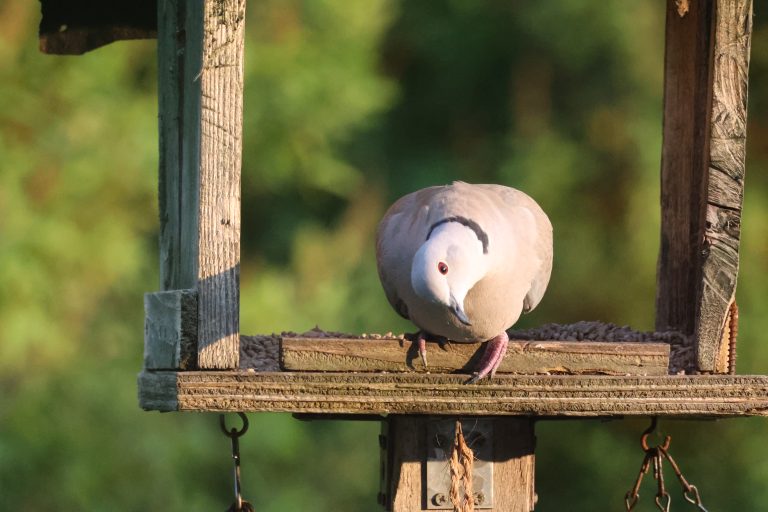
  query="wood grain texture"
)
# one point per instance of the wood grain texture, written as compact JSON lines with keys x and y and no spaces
{"x":178,"y":183}
{"x":702,"y":175}
{"x":725,"y":190}
{"x":524,"y":357}
{"x":409,"y":393}
{"x":170,"y":335}
{"x":213,"y":103}
{"x":684,"y":161}
{"x":406,"y":453}
{"x":514,"y":465}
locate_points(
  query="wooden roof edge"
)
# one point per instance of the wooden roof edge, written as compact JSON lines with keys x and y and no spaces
{"x":73,"y":27}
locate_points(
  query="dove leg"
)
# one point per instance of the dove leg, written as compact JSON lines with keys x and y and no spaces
{"x":494,"y":353}
{"x":421,"y":341}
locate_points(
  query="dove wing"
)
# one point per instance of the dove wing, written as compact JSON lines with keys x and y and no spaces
{"x":400,"y":234}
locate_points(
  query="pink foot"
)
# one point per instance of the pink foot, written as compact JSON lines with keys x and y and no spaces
{"x":489,"y":363}
{"x":422,"y":344}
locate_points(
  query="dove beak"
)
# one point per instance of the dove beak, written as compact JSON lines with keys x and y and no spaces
{"x":458,"y":310}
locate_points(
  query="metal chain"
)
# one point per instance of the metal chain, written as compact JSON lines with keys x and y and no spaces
{"x":239,"y":505}
{"x":656,"y":455}
{"x":690,"y":491}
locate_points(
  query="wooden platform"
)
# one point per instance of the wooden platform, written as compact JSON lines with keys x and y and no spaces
{"x":409,"y":393}
{"x":334,"y":354}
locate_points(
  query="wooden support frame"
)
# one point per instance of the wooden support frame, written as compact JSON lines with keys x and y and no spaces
{"x":696,"y":396}
{"x":702,"y":172}
{"x":200,"y":56}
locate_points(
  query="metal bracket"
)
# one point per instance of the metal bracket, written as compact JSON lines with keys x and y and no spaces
{"x":440,"y":435}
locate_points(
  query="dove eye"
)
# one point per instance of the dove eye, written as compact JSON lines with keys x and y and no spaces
{"x":442,"y":268}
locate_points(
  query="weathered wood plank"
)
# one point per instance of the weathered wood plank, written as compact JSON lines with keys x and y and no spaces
{"x":410,"y":393}
{"x":204,"y":241}
{"x":725,"y":173}
{"x":170,"y":330}
{"x":702,"y":171}
{"x":514,"y":465}
{"x":178,"y":183}
{"x":525,"y":357}
{"x":684,"y":161}
{"x":406,"y":454}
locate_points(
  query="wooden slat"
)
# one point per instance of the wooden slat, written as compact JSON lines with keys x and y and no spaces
{"x":177,"y":182}
{"x":404,"y":393}
{"x":524,"y":357}
{"x":683,"y":163}
{"x":725,"y":173}
{"x":706,"y":63}
{"x":200,"y":54}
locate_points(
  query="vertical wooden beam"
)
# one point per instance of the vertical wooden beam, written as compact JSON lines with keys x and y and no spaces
{"x":405,"y":471}
{"x":201,"y":84}
{"x":725,"y":184}
{"x":177,"y":260}
{"x":686,"y":133}
{"x":702,"y":170}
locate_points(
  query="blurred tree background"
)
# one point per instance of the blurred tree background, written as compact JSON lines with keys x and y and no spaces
{"x":348,"y":105}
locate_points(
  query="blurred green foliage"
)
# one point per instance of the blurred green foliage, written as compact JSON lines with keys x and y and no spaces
{"x":348,"y":105}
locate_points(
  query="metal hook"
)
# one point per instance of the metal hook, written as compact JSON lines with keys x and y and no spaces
{"x":649,"y":431}
{"x":234,"y":435}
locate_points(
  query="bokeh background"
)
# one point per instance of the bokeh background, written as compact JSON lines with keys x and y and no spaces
{"x":348,"y":105}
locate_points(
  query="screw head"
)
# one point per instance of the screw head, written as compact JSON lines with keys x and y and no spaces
{"x":440,"y":499}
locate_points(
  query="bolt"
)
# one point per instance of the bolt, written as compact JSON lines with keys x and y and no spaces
{"x":440,"y":499}
{"x":479,"y":498}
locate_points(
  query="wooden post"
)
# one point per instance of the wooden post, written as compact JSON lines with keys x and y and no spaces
{"x":200,"y":55}
{"x":702,"y":170}
{"x":404,"y":443}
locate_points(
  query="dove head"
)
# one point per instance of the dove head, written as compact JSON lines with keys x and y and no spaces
{"x":447,"y":266}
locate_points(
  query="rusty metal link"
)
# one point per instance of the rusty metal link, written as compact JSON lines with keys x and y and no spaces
{"x":632,"y":496}
{"x":656,"y":455}
{"x":690,"y":491}
{"x":662,"y":496}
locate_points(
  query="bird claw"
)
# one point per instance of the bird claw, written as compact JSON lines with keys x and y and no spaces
{"x":492,"y":357}
{"x":423,"y":351}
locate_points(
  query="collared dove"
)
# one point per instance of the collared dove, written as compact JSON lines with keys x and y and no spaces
{"x":463,"y":261}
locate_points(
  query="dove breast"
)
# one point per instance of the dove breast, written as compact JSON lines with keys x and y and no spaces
{"x":517,"y":240}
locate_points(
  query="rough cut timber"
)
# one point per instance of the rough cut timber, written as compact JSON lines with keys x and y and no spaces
{"x":702,"y":171}
{"x":73,"y":27}
{"x":523,"y":357}
{"x":411,"y":393}
{"x":200,"y":54}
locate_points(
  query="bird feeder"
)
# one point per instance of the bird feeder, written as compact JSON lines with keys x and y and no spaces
{"x":197,"y":360}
